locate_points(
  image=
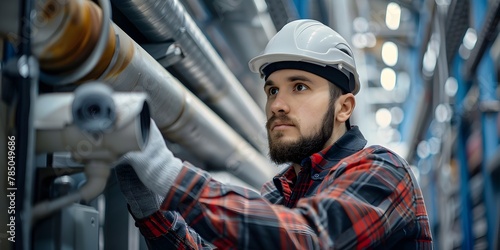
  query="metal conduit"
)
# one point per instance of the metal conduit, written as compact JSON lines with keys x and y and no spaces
{"x":180,"y":115}
{"x":237,"y":44}
{"x":202,"y":69}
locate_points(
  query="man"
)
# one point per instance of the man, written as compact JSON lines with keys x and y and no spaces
{"x":336,"y":194}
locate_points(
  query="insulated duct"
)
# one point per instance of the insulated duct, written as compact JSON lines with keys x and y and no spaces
{"x":238,"y":31}
{"x":71,"y":29}
{"x":282,"y":12}
{"x":202,"y":69}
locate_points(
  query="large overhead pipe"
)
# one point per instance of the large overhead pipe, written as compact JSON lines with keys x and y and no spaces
{"x":202,"y":69}
{"x":70,"y":29}
{"x":238,"y":32}
{"x":282,"y":12}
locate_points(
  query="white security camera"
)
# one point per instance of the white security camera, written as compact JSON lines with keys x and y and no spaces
{"x":97,"y":126}
{"x":93,"y":123}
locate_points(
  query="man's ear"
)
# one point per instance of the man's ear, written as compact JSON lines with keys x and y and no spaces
{"x":345,"y":106}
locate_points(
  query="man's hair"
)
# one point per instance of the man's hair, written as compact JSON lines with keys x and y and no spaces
{"x":335,"y":92}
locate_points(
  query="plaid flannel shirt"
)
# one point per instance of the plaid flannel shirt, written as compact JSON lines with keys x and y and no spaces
{"x":344,"y":197}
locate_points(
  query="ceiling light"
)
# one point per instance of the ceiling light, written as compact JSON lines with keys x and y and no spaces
{"x":388,"y":79}
{"x":359,"y":41}
{"x":423,"y":150}
{"x":393,"y":16}
{"x":443,"y":113}
{"x":397,"y":114}
{"x":470,"y":38}
{"x":429,"y":61}
{"x":360,"y":24}
{"x":390,"y":53}
{"x":451,"y":86}
{"x":383,"y":117}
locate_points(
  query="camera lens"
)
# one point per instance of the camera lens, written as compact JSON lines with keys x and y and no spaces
{"x":93,"y":108}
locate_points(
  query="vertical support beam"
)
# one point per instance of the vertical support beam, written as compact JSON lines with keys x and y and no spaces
{"x":340,"y":17}
{"x":302,"y":7}
{"x":465,"y":199}
{"x":414,"y":105}
{"x":428,"y":184}
{"x":119,"y":229}
{"x":28,"y":88}
{"x":22,"y":71}
{"x":487,"y":84}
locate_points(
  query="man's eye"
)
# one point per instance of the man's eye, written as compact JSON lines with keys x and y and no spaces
{"x":300,"y":87}
{"x":272,"y":91}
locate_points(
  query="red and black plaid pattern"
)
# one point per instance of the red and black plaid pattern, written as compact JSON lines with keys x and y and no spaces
{"x":344,"y":197}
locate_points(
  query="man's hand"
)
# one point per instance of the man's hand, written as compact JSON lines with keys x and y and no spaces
{"x":141,"y":200}
{"x":155,"y":166}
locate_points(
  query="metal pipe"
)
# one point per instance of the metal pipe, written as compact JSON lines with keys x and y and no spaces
{"x":236,"y":44}
{"x":202,"y":69}
{"x":282,"y":12}
{"x":429,"y":23}
{"x":97,"y":173}
{"x":486,"y":37}
{"x":91,"y":60}
{"x":179,"y":114}
{"x":26,"y":77}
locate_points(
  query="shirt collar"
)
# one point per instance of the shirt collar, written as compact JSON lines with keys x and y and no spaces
{"x":321,"y":163}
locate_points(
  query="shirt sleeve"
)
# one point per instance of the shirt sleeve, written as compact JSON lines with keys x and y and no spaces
{"x":174,"y":231}
{"x":362,"y":203}
{"x":370,"y":201}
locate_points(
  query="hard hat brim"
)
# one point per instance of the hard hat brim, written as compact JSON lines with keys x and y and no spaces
{"x":257,"y":63}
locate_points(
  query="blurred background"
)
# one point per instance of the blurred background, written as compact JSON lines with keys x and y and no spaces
{"x":428,"y":71}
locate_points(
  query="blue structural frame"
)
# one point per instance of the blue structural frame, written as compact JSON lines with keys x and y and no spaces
{"x":416,"y":81}
{"x":486,"y":80}
{"x":429,"y":191}
{"x":486,"y":83}
{"x":302,"y":7}
{"x":461,"y":152}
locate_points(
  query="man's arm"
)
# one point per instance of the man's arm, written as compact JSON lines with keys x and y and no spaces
{"x":367,"y":200}
{"x":363,"y":203}
{"x":144,"y":204}
{"x":178,"y":235}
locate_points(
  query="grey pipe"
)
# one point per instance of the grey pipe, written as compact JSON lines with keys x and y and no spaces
{"x":202,"y":68}
{"x":184,"y":119}
{"x":180,"y":115}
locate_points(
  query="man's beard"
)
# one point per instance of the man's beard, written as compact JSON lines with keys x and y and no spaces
{"x":295,"y":152}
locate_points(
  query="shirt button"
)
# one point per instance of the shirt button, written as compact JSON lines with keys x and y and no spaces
{"x":315,"y":176}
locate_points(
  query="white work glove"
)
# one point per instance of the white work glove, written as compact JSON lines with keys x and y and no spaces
{"x":141,"y":200}
{"x":155,"y":166}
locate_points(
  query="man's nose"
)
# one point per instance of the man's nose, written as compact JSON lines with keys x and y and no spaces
{"x":280,"y":104}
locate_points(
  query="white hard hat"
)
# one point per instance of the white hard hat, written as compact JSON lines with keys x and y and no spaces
{"x":311,"y":46}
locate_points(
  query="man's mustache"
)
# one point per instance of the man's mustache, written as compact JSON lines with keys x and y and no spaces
{"x":282,"y":118}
